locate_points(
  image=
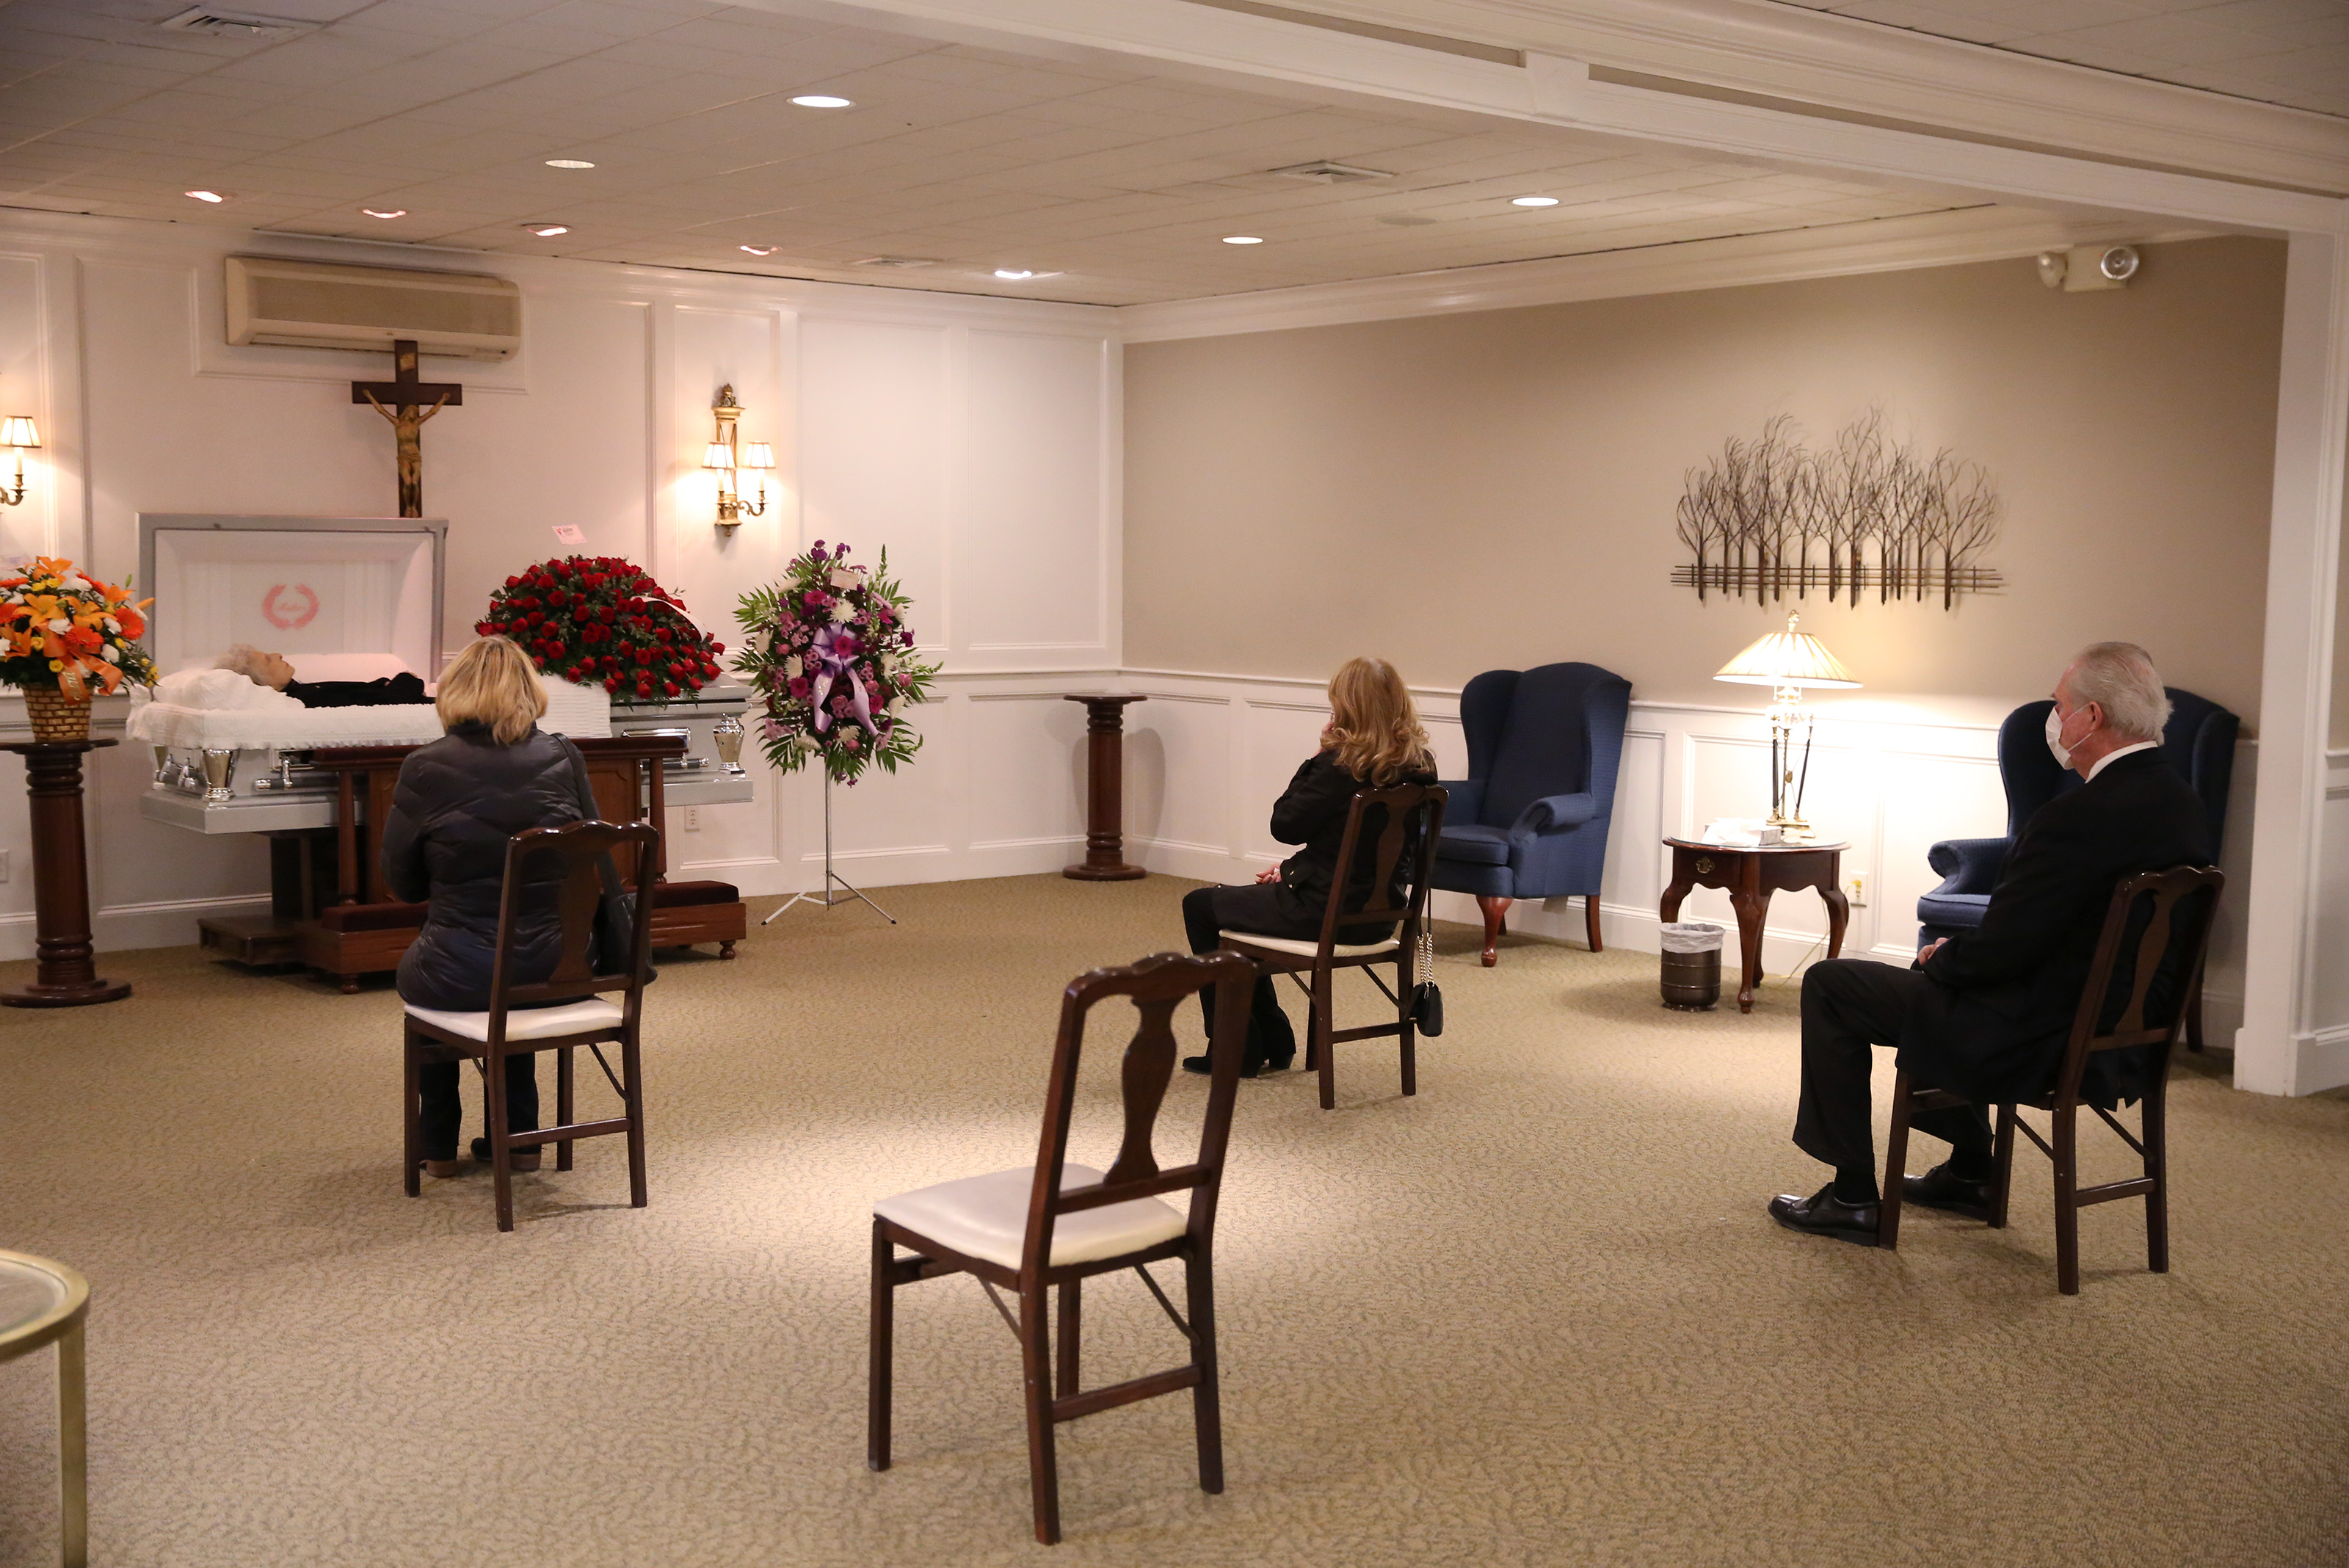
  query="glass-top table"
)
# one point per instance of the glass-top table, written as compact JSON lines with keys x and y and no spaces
{"x":41,"y":1303}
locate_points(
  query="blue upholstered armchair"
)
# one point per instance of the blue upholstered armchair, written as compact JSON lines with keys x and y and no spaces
{"x":1530,"y":819}
{"x":2199,"y":742}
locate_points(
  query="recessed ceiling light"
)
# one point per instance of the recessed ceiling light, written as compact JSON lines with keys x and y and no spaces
{"x":1013,"y":273}
{"x":384,"y":212}
{"x":1243,"y":240}
{"x":568,"y":163}
{"x":547,"y":231}
{"x":205,"y":195}
{"x":1533,"y":200}
{"x":822,"y":100}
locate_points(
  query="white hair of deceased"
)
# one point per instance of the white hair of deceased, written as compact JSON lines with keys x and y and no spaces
{"x":2120,"y":678}
{"x":247,"y":660}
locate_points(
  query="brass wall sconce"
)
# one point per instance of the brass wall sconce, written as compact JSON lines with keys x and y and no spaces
{"x":726,"y":454}
{"x":18,"y":432}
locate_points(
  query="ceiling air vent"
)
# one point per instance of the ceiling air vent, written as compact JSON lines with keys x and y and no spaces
{"x":240,"y":25}
{"x":1324,"y":173}
{"x":896,"y":260}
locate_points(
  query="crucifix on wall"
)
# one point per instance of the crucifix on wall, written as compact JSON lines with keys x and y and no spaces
{"x":401,"y":400}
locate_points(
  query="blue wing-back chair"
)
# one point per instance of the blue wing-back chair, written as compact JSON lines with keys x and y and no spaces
{"x":1530,"y":819}
{"x":2199,"y":741}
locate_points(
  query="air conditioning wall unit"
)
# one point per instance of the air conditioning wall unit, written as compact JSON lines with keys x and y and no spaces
{"x":327,"y":304}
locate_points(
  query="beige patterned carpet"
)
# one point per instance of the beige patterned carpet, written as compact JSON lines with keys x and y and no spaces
{"x":1533,"y":1316}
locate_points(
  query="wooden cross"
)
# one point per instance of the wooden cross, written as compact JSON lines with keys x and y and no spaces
{"x":401,"y":401}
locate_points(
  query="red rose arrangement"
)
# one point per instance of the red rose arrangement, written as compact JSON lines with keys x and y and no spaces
{"x":593,"y":619}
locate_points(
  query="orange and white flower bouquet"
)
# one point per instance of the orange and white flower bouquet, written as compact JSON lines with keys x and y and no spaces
{"x":63,"y":633}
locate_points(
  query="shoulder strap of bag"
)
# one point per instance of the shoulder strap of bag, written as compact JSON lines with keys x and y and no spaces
{"x":588,"y":810}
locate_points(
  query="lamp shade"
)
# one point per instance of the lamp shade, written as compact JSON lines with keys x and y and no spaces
{"x":1788,"y":658}
{"x":757,"y":454}
{"x":717,"y":454}
{"x":19,"y":430}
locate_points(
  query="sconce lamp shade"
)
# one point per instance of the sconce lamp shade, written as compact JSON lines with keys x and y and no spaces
{"x":1788,"y":658}
{"x":756,"y":454}
{"x":17,"y":430}
{"x":717,"y":455}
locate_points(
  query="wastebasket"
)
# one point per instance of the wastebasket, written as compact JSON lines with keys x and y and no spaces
{"x":1692,"y":974}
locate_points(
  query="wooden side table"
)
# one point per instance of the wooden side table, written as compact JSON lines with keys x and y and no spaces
{"x":1750,"y":876}
{"x":1104,"y":858}
{"x":65,"y":975}
{"x":41,"y":1303}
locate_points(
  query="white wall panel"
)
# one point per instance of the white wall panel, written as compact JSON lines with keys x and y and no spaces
{"x":1031,"y":562}
{"x":875,"y":445}
{"x":31,"y":526}
{"x":1179,"y":752}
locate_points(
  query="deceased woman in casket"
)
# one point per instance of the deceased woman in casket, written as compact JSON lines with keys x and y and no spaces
{"x":272,"y":670}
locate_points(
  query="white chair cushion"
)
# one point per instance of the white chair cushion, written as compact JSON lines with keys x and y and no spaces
{"x":1305,"y":949}
{"x":528,"y":1023}
{"x":986,"y":1217}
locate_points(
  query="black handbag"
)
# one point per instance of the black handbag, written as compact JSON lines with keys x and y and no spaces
{"x":1427,"y":997}
{"x":615,"y":910}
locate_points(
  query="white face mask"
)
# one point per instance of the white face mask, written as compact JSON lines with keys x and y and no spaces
{"x":2056,"y":737}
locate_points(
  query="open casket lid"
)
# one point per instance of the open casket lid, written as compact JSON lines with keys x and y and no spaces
{"x":341,"y":597}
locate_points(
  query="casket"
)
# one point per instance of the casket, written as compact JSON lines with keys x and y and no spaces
{"x":342,"y":599}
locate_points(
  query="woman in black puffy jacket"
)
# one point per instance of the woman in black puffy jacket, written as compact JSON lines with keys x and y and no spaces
{"x":495,"y":774}
{"x":1374,"y":740}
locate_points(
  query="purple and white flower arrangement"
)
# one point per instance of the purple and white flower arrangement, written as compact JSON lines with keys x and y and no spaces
{"x":830,"y":652}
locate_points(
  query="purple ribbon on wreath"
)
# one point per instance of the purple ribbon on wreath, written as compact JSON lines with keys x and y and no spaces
{"x":835,"y":656}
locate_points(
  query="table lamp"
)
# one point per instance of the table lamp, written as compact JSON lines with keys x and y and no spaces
{"x":1788,"y":661}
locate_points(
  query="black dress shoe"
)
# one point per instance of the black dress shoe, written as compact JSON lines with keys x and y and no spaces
{"x":1825,"y":1214}
{"x":1941,"y":1187}
{"x":1204,"y":1064}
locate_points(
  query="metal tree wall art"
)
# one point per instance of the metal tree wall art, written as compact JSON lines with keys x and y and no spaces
{"x":1771,"y":517}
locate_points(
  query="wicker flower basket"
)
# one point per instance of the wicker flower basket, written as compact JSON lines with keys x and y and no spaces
{"x":56,"y":717}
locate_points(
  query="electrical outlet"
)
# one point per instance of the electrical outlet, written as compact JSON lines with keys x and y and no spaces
{"x":693,"y":819}
{"x":1856,"y":887}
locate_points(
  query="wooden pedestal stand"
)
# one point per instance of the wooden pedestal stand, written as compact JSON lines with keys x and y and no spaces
{"x":1104,"y":793}
{"x":66,"y":976}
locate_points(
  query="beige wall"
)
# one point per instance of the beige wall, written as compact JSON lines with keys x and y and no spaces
{"x":1497,"y":490}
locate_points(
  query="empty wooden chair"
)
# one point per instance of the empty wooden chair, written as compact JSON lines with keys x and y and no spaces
{"x":2161,"y":922}
{"x":1055,"y":1223}
{"x":1312,"y":964}
{"x":570,"y":1009}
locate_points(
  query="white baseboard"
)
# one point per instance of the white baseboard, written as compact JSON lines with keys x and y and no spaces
{"x":170,"y":923}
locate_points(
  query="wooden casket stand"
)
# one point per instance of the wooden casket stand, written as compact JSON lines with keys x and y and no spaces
{"x":361,"y":930}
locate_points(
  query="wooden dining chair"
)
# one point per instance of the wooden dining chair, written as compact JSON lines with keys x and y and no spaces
{"x":569,"y":1009}
{"x":2163,"y":919}
{"x":1313,"y":964}
{"x":1057,"y":1223}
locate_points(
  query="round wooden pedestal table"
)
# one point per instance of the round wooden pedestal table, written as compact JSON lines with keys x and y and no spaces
{"x":44,"y":1303}
{"x":64,"y":973}
{"x":1104,"y":858}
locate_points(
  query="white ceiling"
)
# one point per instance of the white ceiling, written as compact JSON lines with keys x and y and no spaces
{"x":1119,"y":181}
{"x":2293,"y":52}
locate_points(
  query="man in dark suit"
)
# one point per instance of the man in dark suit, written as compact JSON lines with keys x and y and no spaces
{"x":1987,"y":1013}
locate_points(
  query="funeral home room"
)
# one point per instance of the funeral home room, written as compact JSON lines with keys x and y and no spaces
{"x":1183,"y":782}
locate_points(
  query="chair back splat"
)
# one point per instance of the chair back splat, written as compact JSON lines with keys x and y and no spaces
{"x":1005,"y":1229}
{"x":1156,"y":985}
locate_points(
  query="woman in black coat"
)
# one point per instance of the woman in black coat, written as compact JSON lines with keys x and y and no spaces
{"x":495,"y":774}
{"x":1374,"y":740}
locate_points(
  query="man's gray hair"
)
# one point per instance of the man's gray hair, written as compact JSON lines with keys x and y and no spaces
{"x":2120,"y":678}
{"x":245,"y":660}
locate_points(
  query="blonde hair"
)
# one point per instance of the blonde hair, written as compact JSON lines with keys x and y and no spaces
{"x":1373,"y":727}
{"x":492,"y":683}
